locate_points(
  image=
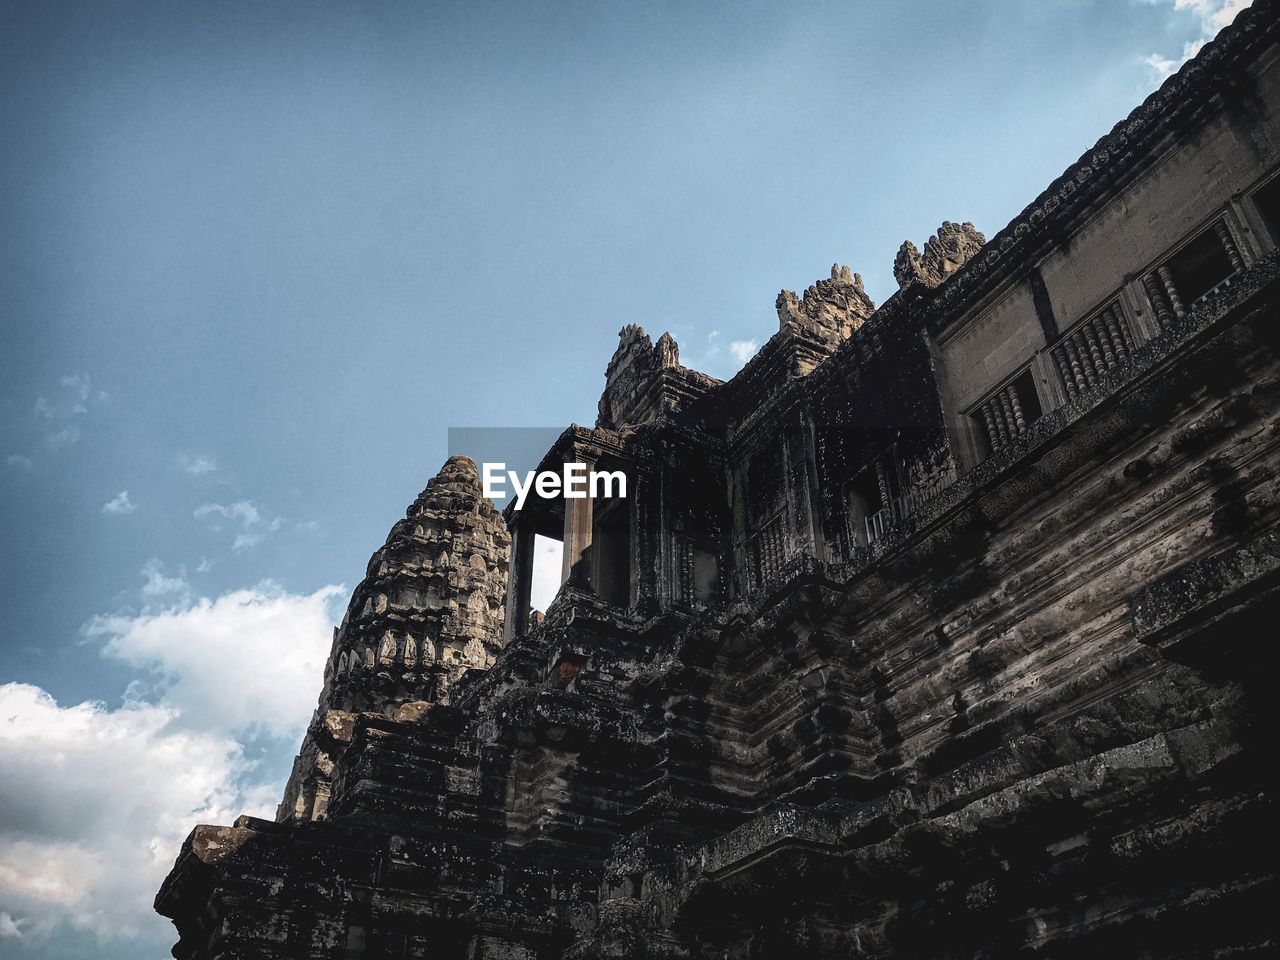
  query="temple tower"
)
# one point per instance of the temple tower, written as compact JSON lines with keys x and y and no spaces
{"x":429,"y":609}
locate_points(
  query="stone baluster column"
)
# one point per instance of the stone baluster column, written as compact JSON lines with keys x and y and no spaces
{"x":886,"y":491}
{"x":1006,"y":413}
{"x":1019,"y":421}
{"x":1097,"y":365}
{"x":1115,"y":329}
{"x":1077,"y":367}
{"x":1104,"y":341}
{"x":519,"y":583}
{"x":1171,"y":291}
{"x":576,"y":566}
{"x":993,"y":436}
{"x":1151,"y":283}
{"x":1229,"y":245}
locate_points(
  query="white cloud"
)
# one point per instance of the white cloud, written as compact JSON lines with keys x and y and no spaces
{"x":119,"y":504}
{"x":96,"y":801}
{"x":713,"y":346}
{"x":66,"y":407}
{"x":79,"y":384}
{"x":245,"y":541}
{"x":204,"y":566}
{"x":1161,"y":66}
{"x":159,"y":585}
{"x":197,"y":466}
{"x":96,"y":804}
{"x":1213,"y":16}
{"x":244,"y":512}
{"x":253,"y":521}
{"x":743,"y":350}
{"x":66,"y":437}
{"x":19,"y":462}
{"x":248,"y":661}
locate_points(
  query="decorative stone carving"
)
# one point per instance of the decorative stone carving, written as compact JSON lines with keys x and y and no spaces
{"x":944,"y":253}
{"x":449,"y":517}
{"x":831,"y":309}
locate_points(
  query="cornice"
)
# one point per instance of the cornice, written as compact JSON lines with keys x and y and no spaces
{"x":1177,"y":106}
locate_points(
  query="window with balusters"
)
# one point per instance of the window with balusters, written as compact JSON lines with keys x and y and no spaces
{"x":1007,"y":412}
{"x":1202,"y":266}
{"x":1084,"y":354}
{"x":876,"y":500}
{"x":1205,"y":265}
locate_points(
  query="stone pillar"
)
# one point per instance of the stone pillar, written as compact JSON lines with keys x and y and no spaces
{"x":1155,"y":293}
{"x":886,"y":490}
{"x":1171,"y":291}
{"x":576,"y":565}
{"x":813,"y":491}
{"x":519,"y":583}
{"x":1229,"y":246}
{"x":1140,"y":309}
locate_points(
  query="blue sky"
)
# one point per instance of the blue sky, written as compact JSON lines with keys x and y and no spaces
{"x":257,"y":258}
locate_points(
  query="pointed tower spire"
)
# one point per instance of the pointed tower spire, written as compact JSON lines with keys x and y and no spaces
{"x":429,"y":609}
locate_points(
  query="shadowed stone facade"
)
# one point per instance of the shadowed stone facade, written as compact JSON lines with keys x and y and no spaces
{"x":935,"y":632}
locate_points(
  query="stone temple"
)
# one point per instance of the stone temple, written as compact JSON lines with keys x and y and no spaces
{"x":938,"y":631}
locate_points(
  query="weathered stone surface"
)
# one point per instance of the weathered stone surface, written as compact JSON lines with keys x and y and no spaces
{"x":944,"y":253}
{"x":834,"y":308}
{"x":429,"y":609}
{"x":836,"y":680}
{"x":645,"y":380}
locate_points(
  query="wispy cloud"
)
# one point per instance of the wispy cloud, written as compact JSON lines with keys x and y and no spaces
{"x":18,"y":462}
{"x":743,"y":350}
{"x":1213,"y":15}
{"x":60,"y":439}
{"x":251,"y":521}
{"x":1161,"y":66}
{"x":79,"y":383}
{"x":61,"y":412}
{"x":197,"y":466}
{"x":243,"y":512}
{"x":119,"y":504}
{"x":246,"y":541}
{"x":161,"y":585}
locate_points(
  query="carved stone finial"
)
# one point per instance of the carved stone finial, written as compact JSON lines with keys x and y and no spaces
{"x":632,"y":370}
{"x":944,"y":253}
{"x":668,"y":350}
{"x":833,"y":308}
